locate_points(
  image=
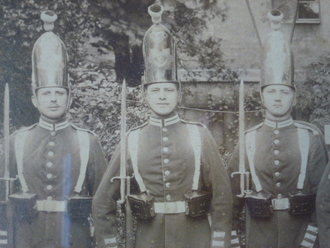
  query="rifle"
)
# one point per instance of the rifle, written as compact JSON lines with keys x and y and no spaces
{"x":124,"y":179}
{"x":244,"y":175}
{"x":6,"y":227}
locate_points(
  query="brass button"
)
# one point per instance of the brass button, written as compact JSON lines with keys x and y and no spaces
{"x":276,"y":162}
{"x":165,"y":139}
{"x":276,"y":131}
{"x":165,"y":149}
{"x":49,"y":187}
{"x":49,"y":175}
{"x":167,"y":185}
{"x":165,"y":129}
{"x":278,"y":185}
{"x":52,"y":133}
{"x":276,"y":141}
{"x":166,"y":161}
{"x":49,"y":164}
{"x":167,"y":173}
{"x":50,"y":153}
{"x":276,"y":152}
{"x":277,"y":174}
{"x":49,"y":198}
{"x":168,"y":197}
{"x":51,"y":143}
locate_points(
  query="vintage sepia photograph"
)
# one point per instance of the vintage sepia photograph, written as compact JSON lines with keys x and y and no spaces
{"x":164,"y":124}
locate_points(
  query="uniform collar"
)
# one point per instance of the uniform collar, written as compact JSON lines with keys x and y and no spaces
{"x":279,"y":124}
{"x":53,"y":126}
{"x":164,"y":122}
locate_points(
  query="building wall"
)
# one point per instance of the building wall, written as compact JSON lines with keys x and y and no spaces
{"x":239,"y":40}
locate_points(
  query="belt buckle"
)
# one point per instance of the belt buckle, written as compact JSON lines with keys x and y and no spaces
{"x":280,"y":203}
{"x":48,"y":205}
{"x":170,"y":207}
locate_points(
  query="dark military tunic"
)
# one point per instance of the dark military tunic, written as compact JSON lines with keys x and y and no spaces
{"x":277,"y":162}
{"x":323,"y":209}
{"x":166,"y":165}
{"x":51,"y":166}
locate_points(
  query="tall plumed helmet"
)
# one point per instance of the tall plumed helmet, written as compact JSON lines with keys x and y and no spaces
{"x":277,"y":59}
{"x":49,"y":57}
{"x":159,"y":50}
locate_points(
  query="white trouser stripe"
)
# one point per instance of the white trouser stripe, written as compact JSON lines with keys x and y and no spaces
{"x":3,"y":233}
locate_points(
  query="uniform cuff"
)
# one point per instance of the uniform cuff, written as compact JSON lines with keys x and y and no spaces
{"x":3,"y":238}
{"x":234,"y":241}
{"x":218,"y":239}
{"x":310,"y":237}
{"x":110,"y":242}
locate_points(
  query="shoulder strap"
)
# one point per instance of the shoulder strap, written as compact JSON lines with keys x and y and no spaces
{"x":303,"y":140}
{"x":84,"y":146}
{"x":19,"y":153}
{"x":133,"y":142}
{"x":197,"y":147}
{"x":250,"y":146}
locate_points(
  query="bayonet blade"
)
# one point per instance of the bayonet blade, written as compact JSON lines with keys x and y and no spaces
{"x":6,"y":135}
{"x":241,"y":136}
{"x":123,"y":143}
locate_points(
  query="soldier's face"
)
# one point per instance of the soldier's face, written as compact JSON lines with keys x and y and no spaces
{"x":162,"y":98}
{"x":51,"y":102}
{"x":278,"y":100}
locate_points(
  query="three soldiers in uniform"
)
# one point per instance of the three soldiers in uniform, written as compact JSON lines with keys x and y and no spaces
{"x":180,"y":192}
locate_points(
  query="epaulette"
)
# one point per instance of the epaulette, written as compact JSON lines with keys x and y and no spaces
{"x":136,"y":128}
{"x":24,"y":129}
{"x":305,"y":125}
{"x":254,"y":128}
{"x":194,"y":123}
{"x":82,"y":129}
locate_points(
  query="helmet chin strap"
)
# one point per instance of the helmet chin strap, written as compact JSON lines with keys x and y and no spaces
{"x":179,"y":94}
{"x":69,"y":101}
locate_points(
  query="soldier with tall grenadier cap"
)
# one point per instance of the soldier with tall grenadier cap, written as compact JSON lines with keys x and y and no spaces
{"x":58,"y":165}
{"x":178,"y":175}
{"x":285,"y":158}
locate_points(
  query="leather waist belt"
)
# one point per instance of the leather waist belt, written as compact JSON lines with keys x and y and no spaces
{"x":51,"y":206}
{"x":170,"y":207}
{"x":280,"y":204}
